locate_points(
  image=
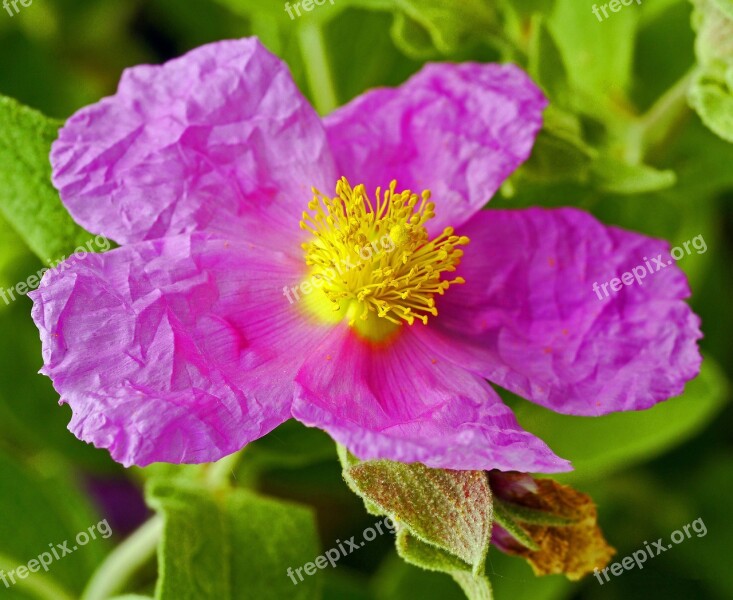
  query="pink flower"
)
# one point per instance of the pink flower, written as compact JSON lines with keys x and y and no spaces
{"x":182,"y":345}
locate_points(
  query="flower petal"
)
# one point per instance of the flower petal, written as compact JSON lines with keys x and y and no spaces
{"x":219,"y":139}
{"x":535,"y":325}
{"x":401,"y":403}
{"x":573,"y":550}
{"x":181,"y":349}
{"x":458,"y":130}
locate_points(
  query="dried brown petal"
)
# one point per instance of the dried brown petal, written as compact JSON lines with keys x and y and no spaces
{"x":574,"y":550}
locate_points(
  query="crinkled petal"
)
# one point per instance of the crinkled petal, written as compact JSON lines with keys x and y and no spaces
{"x":534,"y":324}
{"x":181,"y":349}
{"x":219,"y":139}
{"x":457,"y":129}
{"x":403,"y":402}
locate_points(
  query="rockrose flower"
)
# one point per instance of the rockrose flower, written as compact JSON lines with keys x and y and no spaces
{"x":270,"y":267}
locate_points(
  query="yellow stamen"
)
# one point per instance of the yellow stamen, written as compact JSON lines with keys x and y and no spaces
{"x":374,"y":265}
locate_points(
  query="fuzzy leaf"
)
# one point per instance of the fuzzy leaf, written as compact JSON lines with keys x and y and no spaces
{"x":430,"y":558}
{"x":348,"y":460}
{"x":450,"y":510}
{"x":231,"y":544}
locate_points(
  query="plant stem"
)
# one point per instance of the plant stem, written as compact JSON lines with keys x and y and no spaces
{"x":112,"y":575}
{"x":317,"y":69}
{"x":665,"y":117}
{"x":219,"y":474}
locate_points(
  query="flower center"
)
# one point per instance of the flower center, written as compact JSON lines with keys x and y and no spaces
{"x":375,"y":264}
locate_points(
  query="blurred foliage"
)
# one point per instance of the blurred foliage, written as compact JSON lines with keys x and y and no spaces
{"x":641,"y":108}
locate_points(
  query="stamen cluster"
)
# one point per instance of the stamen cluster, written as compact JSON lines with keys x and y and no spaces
{"x":400,"y":282}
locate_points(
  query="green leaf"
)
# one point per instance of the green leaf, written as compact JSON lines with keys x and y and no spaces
{"x":651,"y":11}
{"x":559,"y":153}
{"x":276,"y":12}
{"x":505,"y":519}
{"x":411,"y":37}
{"x":443,"y":517}
{"x":12,"y":251}
{"x":450,"y":26}
{"x":450,"y":510}
{"x":231,"y":544}
{"x":427,"y":556}
{"x":475,"y":588}
{"x":711,"y":95}
{"x":617,"y":177}
{"x":512,"y":579}
{"x":711,"y":92}
{"x":430,"y":558}
{"x":348,"y":460}
{"x":600,"y":445}
{"x":523,"y":514}
{"x":384,"y":65}
{"x":598,"y":55}
{"x":27,"y":199}
{"x":546,"y":64}
{"x":517,"y":17}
